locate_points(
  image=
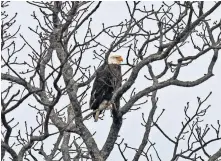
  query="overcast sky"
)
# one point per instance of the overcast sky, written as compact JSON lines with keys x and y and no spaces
{"x":172,"y":98}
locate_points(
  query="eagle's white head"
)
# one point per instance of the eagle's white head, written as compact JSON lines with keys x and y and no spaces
{"x":114,"y":59}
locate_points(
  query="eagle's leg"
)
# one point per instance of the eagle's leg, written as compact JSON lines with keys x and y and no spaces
{"x":112,"y":106}
{"x":109,"y":106}
{"x":104,"y":105}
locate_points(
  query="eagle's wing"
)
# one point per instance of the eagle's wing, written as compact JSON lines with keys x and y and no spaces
{"x":116,"y":77}
{"x":101,"y":89}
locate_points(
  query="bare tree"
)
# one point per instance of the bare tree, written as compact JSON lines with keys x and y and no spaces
{"x":64,"y":31}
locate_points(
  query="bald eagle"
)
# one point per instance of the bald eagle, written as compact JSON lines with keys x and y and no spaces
{"x":106,"y":82}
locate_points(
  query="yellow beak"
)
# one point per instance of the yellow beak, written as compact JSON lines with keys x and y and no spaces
{"x":120,"y":58}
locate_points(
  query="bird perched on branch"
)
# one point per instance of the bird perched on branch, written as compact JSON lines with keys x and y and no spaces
{"x":106,"y":82}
